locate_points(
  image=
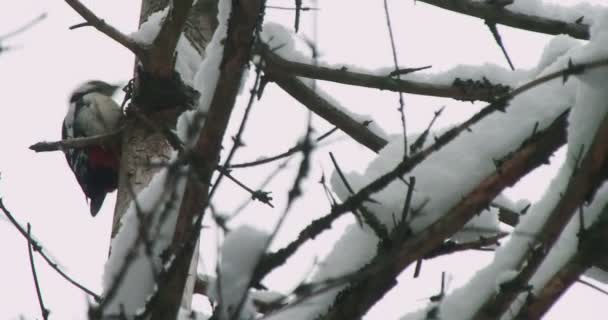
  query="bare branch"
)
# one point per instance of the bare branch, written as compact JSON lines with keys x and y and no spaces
{"x":105,"y":28}
{"x":23,"y":28}
{"x":43,"y":254}
{"x":401,"y":108}
{"x":498,"y":39}
{"x":450,"y":247}
{"x":75,"y":142}
{"x":581,"y":188}
{"x":43,"y":310}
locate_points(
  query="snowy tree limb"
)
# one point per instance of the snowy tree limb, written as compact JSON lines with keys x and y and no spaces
{"x":160,"y":58}
{"x":242,"y":22}
{"x":23,"y":28}
{"x":353,"y":302}
{"x":501,"y":15}
{"x":43,"y":310}
{"x":590,"y":249}
{"x":591,"y":172}
{"x":275,"y":64}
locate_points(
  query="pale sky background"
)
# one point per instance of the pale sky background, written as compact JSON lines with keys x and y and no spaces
{"x":49,"y":61}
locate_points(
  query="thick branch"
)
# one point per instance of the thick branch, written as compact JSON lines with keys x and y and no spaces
{"x":362,"y":295}
{"x":326,"y":110}
{"x":591,"y":247}
{"x":160,"y":58}
{"x":557,"y":285}
{"x":277,"y":65}
{"x":586,"y":178}
{"x":501,"y":15}
{"x":242,"y":22}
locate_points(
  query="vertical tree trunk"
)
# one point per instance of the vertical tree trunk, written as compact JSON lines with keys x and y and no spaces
{"x":141,"y":144}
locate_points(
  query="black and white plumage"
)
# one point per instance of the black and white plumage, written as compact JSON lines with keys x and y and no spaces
{"x":93,"y":112}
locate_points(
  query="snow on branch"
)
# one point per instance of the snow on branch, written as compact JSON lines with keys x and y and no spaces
{"x":275,"y":64}
{"x":515,"y":18}
{"x":587,"y":175}
{"x":545,"y":242}
{"x":532,"y":153}
{"x":158,"y":56}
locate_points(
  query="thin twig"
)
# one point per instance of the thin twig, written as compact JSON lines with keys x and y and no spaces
{"x":298,"y":4}
{"x":44,"y":255}
{"x":293,"y":194}
{"x":401,"y":108}
{"x":369,"y":217}
{"x":23,"y":28}
{"x":43,"y":310}
{"x":417,"y":145}
{"x":292,"y":8}
{"x":297,"y":148}
{"x":238,"y":137}
{"x":592,"y":286}
{"x":75,"y":143}
{"x":105,"y":28}
{"x":492,"y":26}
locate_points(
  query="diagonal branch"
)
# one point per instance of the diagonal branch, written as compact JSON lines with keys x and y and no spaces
{"x":498,"y":14}
{"x":326,"y":110}
{"x":590,"y":173}
{"x":43,"y":254}
{"x":105,"y":28}
{"x":353,"y":302}
{"x":591,"y":247}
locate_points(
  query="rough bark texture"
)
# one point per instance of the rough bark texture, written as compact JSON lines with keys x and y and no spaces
{"x":237,"y":49}
{"x":141,"y":144}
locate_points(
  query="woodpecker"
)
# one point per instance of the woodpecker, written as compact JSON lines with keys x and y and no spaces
{"x":93,"y":112}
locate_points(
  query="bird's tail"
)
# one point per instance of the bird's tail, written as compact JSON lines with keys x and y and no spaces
{"x":96,"y":202}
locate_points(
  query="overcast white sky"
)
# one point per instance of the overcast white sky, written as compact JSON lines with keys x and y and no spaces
{"x":49,"y":60}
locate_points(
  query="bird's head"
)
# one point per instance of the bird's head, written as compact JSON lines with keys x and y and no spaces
{"x":97,"y":86}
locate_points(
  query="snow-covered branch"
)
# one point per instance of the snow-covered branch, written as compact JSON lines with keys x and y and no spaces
{"x":535,"y":151}
{"x":275,"y":64}
{"x":514,"y":18}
